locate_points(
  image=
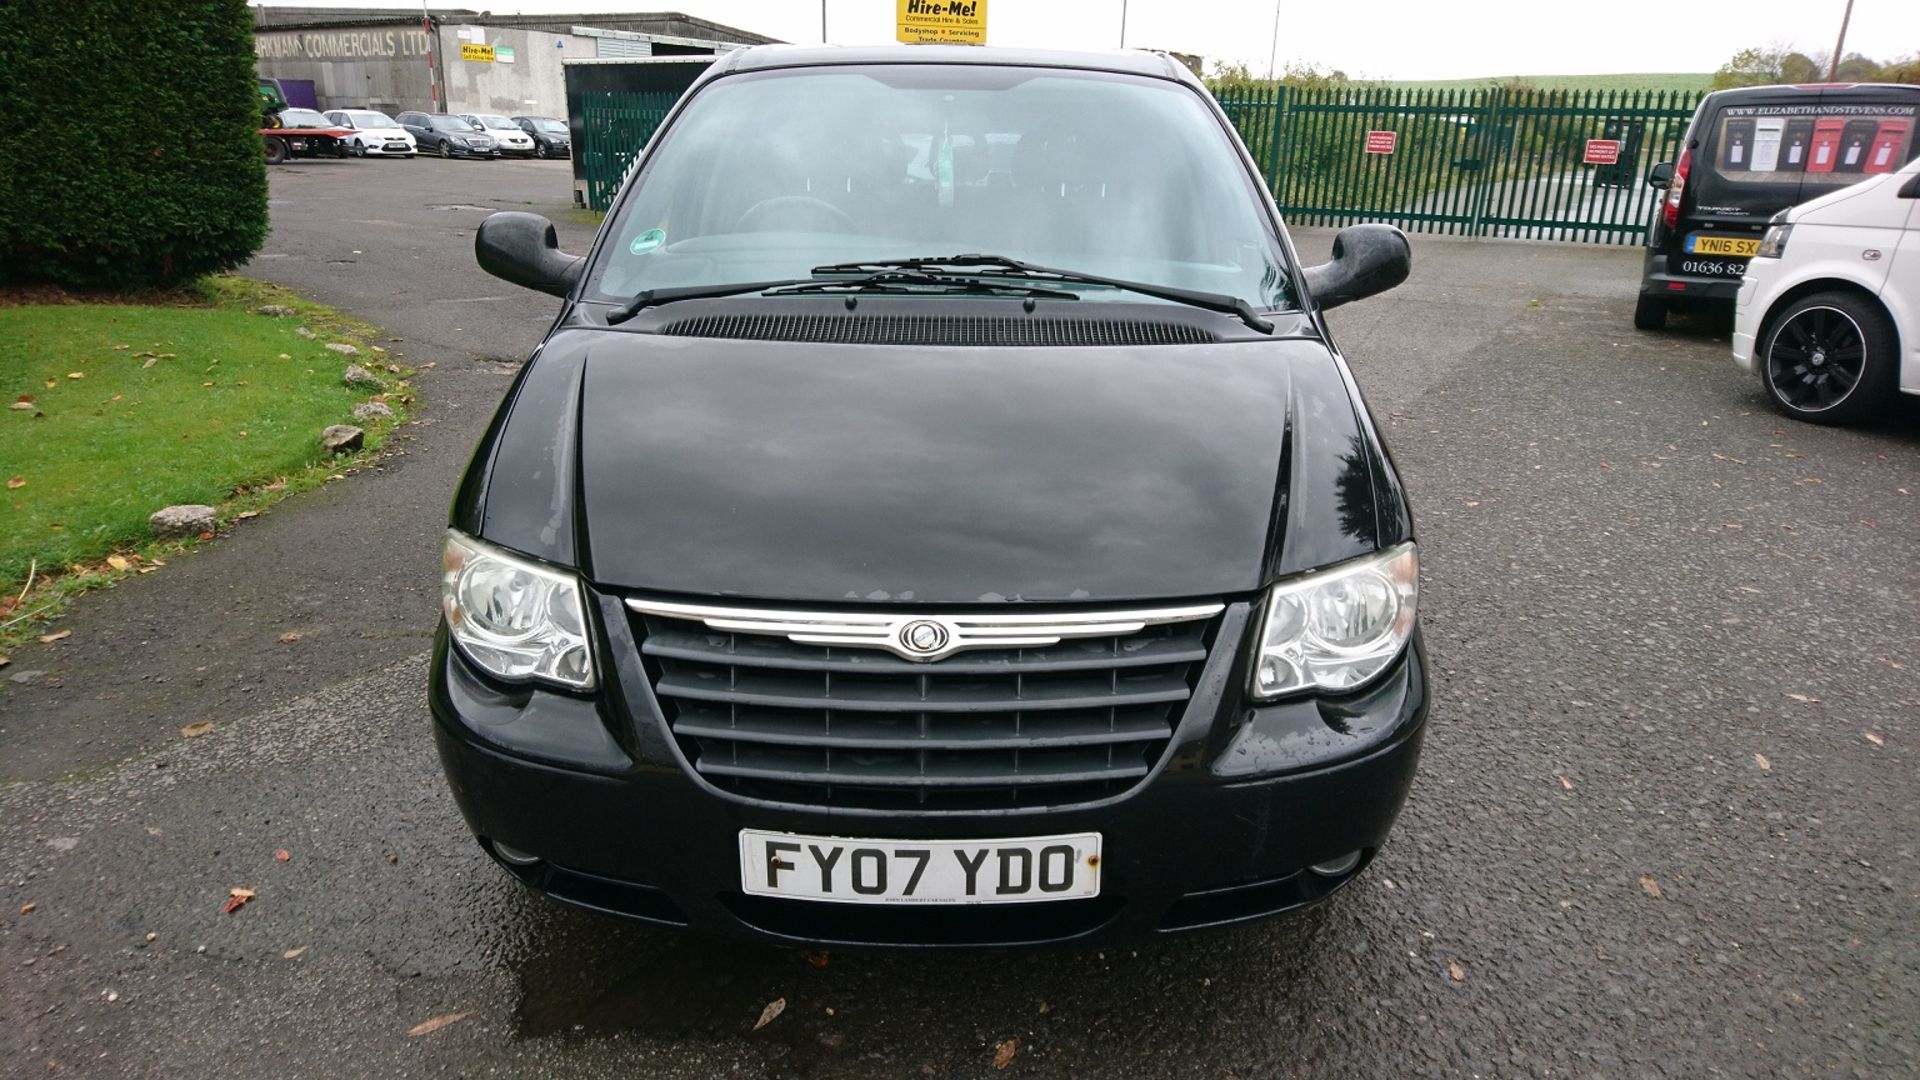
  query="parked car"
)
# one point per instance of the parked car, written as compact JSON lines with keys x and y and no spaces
{"x":504,"y":131}
{"x":1747,"y":155}
{"x":550,"y":137}
{"x":447,"y":135}
{"x":313,"y":135}
{"x":1084,"y":606}
{"x":1829,"y":311}
{"x":374,"y":133}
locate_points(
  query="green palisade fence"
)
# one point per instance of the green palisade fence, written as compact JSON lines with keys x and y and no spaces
{"x":1492,"y":162}
{"x":617,"y":127}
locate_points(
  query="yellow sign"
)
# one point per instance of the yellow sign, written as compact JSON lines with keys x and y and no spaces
{"x":482,"y":53}
{"x":942,"y":22}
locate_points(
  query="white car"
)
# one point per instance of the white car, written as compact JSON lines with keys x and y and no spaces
{"x":374,"y":133}
{"x":512,"y":139}
{"x":1828,"y":315}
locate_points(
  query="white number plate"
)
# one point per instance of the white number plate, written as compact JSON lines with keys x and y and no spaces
{"x":853,"y":871}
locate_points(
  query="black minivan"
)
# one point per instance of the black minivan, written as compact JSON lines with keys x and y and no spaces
{"x":1749,"y":154}
{"x":938,"y":515}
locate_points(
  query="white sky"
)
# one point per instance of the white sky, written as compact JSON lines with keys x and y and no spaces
{"x":1397,"y":39}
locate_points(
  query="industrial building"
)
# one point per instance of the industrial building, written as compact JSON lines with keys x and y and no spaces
{"x":456,"y":60}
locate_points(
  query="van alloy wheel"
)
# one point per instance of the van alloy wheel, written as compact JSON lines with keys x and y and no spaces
{"x":1829,"y":358}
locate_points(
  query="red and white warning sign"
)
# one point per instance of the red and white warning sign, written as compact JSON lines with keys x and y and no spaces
{"x":1602,"y":152}
{"x":1381,"y":142}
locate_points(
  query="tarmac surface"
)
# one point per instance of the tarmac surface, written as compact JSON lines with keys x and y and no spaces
{"x":1664,"y":824}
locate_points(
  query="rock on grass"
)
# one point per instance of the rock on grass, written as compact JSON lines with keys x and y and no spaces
{"x":360,"y":378}
{"x":186,"y":519}
{"x":342,"y":439}
{"x":372,"y":410}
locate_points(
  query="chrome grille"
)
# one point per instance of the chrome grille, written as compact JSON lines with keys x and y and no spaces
{"x":765,"y":716}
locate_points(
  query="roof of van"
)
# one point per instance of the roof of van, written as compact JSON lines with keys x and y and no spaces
{"x":1125,"y":61}
{"x":1802,"y":89}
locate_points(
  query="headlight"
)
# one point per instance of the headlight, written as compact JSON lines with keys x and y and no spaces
{"x":1774,"y":242}
{"x":514,"y":618}
{"x":1337,"y":628}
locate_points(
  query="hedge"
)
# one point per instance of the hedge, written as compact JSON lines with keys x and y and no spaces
{"x":130,"y":152}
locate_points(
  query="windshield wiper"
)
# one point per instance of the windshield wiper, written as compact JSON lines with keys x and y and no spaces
{"x":888,"y":280}
{"x":1002,"y":267}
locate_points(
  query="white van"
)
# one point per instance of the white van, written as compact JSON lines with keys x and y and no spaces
{"x":1828,"y":314}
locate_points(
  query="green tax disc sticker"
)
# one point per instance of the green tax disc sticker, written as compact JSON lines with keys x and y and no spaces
{"x":647,"y":241}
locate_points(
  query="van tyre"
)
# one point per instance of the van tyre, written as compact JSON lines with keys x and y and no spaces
{"x":1829,"y":358}
{"x":1650,"y":313}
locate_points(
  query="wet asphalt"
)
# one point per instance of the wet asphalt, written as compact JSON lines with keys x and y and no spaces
{"x":1664,"y":825}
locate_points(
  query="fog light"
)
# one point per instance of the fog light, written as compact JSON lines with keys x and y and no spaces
{"x":1337,"y":867}
{"x":514,"y":856}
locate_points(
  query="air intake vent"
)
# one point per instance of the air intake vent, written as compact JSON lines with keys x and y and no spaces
{"x":939,"y":330}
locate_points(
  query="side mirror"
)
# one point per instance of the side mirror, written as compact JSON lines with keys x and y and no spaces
{"x":1660,"y":175}
{"x":1367,"y":259}
{"x":524,"y":249}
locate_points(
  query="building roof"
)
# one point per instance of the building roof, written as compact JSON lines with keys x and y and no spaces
{"x":663,"y":23}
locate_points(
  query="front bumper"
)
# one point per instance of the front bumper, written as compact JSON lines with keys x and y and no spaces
{"x":1222,"y":830}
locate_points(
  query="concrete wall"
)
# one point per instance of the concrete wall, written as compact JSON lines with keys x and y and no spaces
{"x":532,"y":85}
{"x":382,"y":66}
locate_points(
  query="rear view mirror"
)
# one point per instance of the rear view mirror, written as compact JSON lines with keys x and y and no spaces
{"x":1660,"y":175}
{"x":524,"y":249}
{"x":1367,"y":259}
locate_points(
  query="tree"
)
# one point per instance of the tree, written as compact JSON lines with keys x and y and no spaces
{"x":1905,"y":69}
{"x":1751,"y":67}
{"x":131,"y":153}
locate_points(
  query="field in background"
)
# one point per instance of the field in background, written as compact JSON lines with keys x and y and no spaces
{"x":1694,"y":82}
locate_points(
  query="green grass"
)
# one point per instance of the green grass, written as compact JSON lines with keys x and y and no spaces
{"x":195,"y":400}
{"x":1693,"y":82}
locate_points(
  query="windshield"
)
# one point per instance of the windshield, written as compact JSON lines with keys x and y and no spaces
{"x":766,"y":176}
{"x":498,"y":123}
{"x":372,"y":120}
{"x":303,"y":118}
{"x":451,"y":123}
{"x":552,"y":127}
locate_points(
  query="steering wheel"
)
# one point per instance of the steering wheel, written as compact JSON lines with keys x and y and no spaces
{"x":783,"y":211}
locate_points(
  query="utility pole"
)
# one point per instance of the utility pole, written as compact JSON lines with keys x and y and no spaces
{"x":1123,"y":23}
{"x":1273,"y":50}
{"x":1833,"y":66}
{"x":823,"y":22}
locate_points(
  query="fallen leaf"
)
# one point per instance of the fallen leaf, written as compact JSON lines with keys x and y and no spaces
{"x":289,"y":637}
{"x":1604,"y":465}
{"x":27,"y":909}
{"x":4,"y":661}
{"x":291,"y":954}
{"x":197,"y":729}
{"x":246,"y":515}
{"x":76,"y":374}
{"x":118,"y":562}
{"x":17,"y":482}
{"x":117,"y":348}
{"x":236,"y":899}
{"x":23,"y":406}
{"x":1003,"y":1052}
{"x":1045,"y":1008}
{"x":1564,"y":782}
{"x":51,"y":383}
{"x":1875,"y":739}
{"x":1651,"y":886}
{"x":1761,"y":760}
{"x":57,"y":635}
{"x":282,"y":854}
{"x":208,"y":535}
{"x":1454,"y":969}
{"x":1723,"y":457}
{"x":817,"y":959}
{"x":152,"y":937}
{"x":1804,"y":699}
{"x":428,"y":1027}
{"x":774,"y":1008}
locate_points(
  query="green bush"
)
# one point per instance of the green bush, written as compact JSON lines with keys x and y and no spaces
{"x":130,"y":152}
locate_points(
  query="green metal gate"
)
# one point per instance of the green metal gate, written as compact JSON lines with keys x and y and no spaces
{"x":617,"y":127}
{"x":1529,"y":164}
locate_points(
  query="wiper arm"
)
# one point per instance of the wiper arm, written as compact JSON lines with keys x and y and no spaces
{"x":1001,"y":266}
{"x":647,"y":298}
{"x":907,"y":279}
{"x":884,"y":280}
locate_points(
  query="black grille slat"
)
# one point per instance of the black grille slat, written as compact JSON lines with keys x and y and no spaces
{"x":767,"y":718}
{"x":1140,"y":726}
{"x":955,"y":330}
{"x":753,"y":687}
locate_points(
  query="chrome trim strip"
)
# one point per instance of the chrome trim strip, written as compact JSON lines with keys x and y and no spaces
{"x":892,"y":631}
